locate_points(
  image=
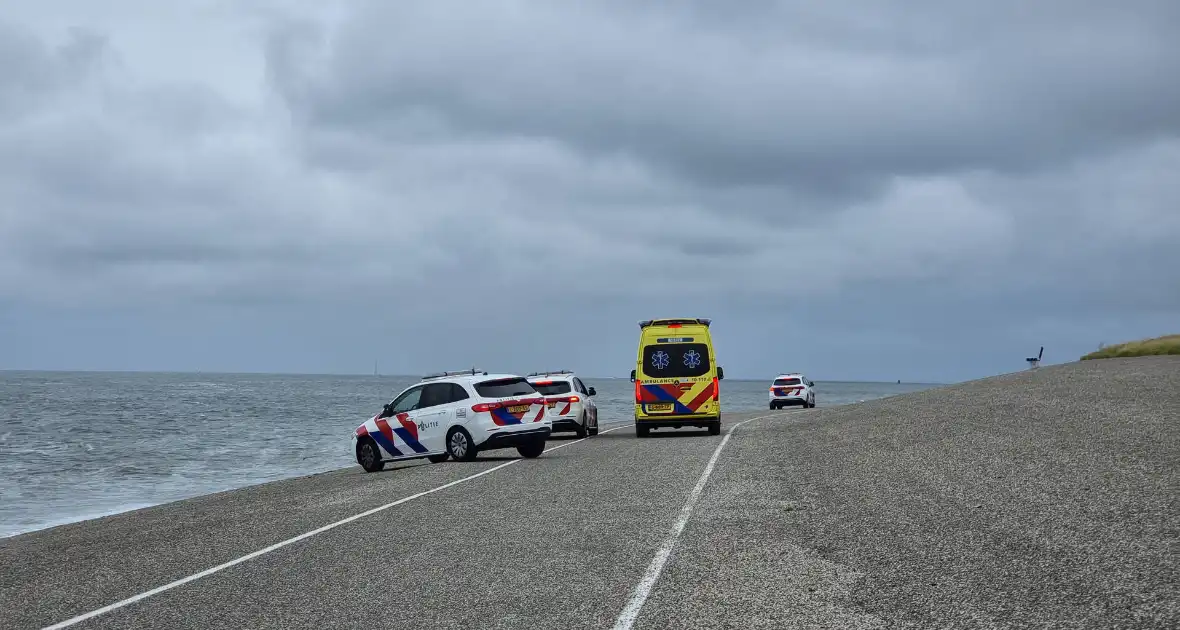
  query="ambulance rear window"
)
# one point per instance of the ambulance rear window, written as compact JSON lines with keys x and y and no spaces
{"x":676,"y":360}
{"x":785,"y":381}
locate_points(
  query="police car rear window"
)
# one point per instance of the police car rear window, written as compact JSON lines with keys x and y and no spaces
{"x":676,"y":360}
{"x":504,"y":388}
{"x":552,"y":387}
{"x":785,"y":381}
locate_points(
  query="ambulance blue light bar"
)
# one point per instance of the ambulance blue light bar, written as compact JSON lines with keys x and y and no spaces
{"x":674,"y":322}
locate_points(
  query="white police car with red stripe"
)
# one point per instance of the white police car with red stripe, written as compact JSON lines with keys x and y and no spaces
{"x":792,"y":389}
{"x":455,"y":414}
{"x":571,"y":407}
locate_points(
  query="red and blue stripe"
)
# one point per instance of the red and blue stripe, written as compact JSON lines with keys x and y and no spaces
{"x":670,"y":393}
{"x":384,"y":438}
{"x":665,"y":394}
{"x":408,"y":432}
{"x":501,"y":416}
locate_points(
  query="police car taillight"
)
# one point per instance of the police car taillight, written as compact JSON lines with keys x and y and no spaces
{"x":482,"y":407}
{"x":566,"y":399}
{"x":716,"y":389}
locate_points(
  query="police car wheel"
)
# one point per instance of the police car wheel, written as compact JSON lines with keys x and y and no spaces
{"x":532,"y":450}
{"x":368,"y":455}
{"x":715,"y":427}
{"x":438,"y":459}
{"x":460,"y":446}
{"x":580,"y":430}
{"x":641,"y":431}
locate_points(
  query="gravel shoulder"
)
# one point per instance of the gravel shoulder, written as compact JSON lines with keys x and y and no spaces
{"x":1044,"y":499}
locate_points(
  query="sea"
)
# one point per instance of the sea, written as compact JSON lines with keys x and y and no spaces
{"x":79,"y":445}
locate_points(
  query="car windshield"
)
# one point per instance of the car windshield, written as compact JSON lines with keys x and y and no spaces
{"x":504,"y":388}
{"x":551,"y":388}
{"x":786,"y":381}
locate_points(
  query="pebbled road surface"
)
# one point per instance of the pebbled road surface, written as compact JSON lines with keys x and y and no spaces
{"x":1040,"y":499}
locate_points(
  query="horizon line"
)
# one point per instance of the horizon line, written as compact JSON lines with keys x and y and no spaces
{"x":369,"y":375}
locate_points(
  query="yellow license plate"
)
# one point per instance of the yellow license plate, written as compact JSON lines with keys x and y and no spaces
{"x":660,"y":408}
{"x":518,"y":409}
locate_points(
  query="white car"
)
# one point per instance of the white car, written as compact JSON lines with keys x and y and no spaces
{"x":792,"y":389}
{"x":455,"y":414}
{"x":570,"y":403}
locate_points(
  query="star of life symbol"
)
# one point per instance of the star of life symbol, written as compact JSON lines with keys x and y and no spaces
{"x":692,"y":359}
{"x":659,"y":360}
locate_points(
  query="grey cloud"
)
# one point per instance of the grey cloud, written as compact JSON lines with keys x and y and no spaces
{"x":29,"y":64}
{"x":890,"y":175}
{"x":1007,"y":89}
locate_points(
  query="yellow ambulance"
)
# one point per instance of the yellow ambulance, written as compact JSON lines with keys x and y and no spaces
{"x":676,"y":376}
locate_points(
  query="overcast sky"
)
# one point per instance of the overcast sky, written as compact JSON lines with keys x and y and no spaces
{"x":921,"y":190}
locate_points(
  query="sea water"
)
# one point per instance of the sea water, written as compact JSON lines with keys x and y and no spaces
{"x":81,"y":445}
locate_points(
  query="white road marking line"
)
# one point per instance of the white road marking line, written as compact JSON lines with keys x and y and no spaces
{"x":250,"y":556}
{"x":643,"y":589}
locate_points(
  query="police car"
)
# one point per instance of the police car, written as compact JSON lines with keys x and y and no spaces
{"x":792,"y":389}
{"x":455,"y":414}
{"x":569,"y":401}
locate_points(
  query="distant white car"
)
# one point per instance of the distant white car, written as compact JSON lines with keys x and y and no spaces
{"x":792,"y":389}
{"x":455,"y":414}
{"x":570,"y":402}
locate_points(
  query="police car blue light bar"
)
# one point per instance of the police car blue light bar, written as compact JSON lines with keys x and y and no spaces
{"x":472,"y":372}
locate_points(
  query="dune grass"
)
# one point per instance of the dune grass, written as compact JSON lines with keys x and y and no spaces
{"x":1168,"y":344}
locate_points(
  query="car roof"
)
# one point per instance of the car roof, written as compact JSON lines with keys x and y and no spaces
{"x":556,"y":374}
{"x":790,"y":375}
{"x":465,"y":377}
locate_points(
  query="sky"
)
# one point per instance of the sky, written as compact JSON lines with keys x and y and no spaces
{"x":922,"y":190}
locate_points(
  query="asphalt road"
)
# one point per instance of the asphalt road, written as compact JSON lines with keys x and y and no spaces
{"x":1043,"y":499}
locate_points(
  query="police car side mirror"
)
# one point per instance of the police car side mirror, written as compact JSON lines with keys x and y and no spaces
{"x":632,"y":376}
{"x":720,"y":373}
{"x":386,"y":409}
{"x":592,"y":391}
